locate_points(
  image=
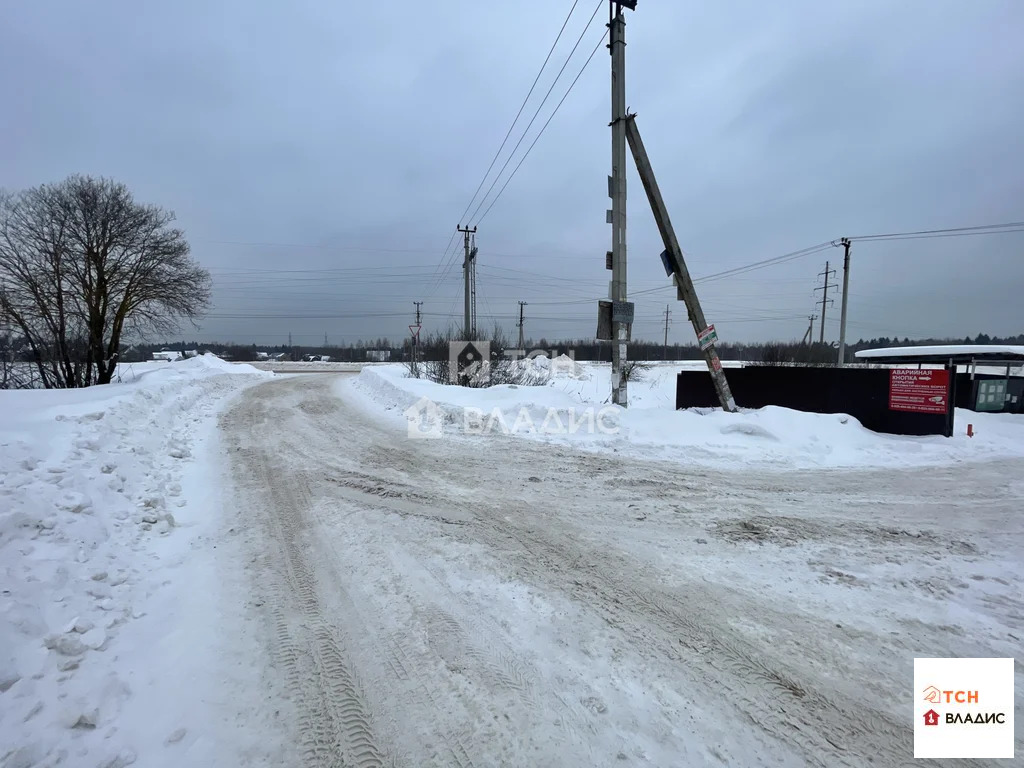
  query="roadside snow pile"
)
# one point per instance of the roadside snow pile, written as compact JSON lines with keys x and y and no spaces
{"x":576,"y":412}
{"x":91,"y":502}
{"x":390,"y":388}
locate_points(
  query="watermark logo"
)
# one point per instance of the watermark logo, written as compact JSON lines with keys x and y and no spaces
{"x":473,"y":363}
{"x":973,"y":701}
{"x":550,"y":421}
{"x":424,"y":420}
{"x":468,"y":360}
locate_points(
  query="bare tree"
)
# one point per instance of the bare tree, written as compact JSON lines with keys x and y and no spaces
{"x":82,"y":266}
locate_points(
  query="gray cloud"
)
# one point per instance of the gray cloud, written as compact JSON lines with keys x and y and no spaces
{"x":318,"y":136}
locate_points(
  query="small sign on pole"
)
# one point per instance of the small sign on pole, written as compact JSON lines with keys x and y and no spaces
{"x":707,"y":337}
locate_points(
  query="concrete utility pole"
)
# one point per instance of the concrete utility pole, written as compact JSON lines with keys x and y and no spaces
{"x":845,"y":242}
{"x":621,"y":312}
{"x":467,"y":327}
{"x":521,"y":342}
{"x":825,"y":300}
{"x":675,"y":265}
{"x":664,"y":351}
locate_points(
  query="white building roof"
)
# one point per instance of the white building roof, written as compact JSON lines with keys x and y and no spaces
{"x":947,"y":351}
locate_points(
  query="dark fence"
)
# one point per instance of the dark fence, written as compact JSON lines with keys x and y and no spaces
{"x":861,"y":392}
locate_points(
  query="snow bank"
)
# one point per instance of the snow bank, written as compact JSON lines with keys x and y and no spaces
{"x":651,"y":427}
{"x":93,"y":524}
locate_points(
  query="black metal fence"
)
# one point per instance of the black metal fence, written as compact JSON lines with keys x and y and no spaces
{"x":861,"y":392}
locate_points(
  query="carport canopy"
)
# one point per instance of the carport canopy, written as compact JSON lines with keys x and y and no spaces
{"x":958,"y":354}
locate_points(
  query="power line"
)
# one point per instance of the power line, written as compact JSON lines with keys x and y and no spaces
{"x":983,"y":229}
{"x":537,"y":112}
{"x":447,"y":261}
{"x":537,"y":137}
{"x":520,"y":112}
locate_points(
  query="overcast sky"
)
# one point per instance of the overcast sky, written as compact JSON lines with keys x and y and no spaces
{"x":311,"y":136}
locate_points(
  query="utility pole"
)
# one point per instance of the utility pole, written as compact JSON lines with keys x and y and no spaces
{"x":845,"y":242}
{"x":621,"y":312}
{"x":809,"y":336}
{"x":825,"y":300}
{"x":675,"y":265}
{"x":664,"y":351}
{"x":416,"y":340}
{"x":521,"y":342}
{"x":467,"y":329}
{"x":325,"y":339}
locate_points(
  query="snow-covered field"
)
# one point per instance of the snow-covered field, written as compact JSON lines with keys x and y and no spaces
{"x":652,"y":428}
{"x":208,"y":565}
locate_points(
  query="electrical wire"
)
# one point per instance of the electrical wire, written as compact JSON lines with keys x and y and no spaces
{"x":520,"y":112}
{"x":983,"y":229}
{"x":447,"y":261}
{"x":543,"y":128}
{"x":541,"y":107}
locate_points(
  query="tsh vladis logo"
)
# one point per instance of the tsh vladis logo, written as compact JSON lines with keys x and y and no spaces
{"x":972,"y":701}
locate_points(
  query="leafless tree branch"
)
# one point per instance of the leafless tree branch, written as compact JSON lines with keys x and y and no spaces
{"x":81,"y":265}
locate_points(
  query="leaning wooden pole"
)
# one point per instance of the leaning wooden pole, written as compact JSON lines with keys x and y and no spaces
{"x":675,"y":266}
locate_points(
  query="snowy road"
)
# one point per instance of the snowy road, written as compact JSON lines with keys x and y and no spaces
{"x":496,"y":601}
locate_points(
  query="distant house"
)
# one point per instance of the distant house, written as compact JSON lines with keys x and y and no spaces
{"x":316,"y":359}
{"x":168,"y":356}
{"x":279,"y":356}
{"x":262,"y":355}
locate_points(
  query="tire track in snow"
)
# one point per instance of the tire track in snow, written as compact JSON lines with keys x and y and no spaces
{"x":334,"y":726}
{"x":828,"y":733}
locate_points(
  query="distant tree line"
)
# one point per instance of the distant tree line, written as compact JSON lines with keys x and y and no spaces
{"x":434,"y":346}
{"x":18,"y":358}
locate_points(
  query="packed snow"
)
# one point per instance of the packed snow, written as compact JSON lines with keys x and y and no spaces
{"x":103,"y":514}
{"x":504,"y":601}
{"x":576,"y":396}
{"x":205,"y":564}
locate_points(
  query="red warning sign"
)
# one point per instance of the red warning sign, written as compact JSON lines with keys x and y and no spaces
{"x":918,"y":391}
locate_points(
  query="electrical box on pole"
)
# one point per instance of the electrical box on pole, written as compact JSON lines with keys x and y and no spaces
{"x":675,"y":265}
